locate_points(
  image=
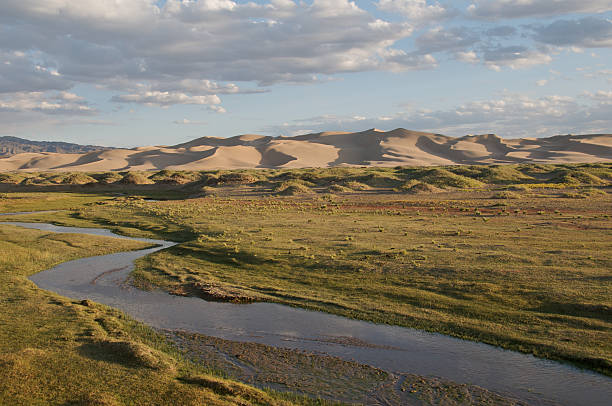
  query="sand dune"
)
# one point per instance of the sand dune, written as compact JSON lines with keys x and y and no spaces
{"x":367,"y":148}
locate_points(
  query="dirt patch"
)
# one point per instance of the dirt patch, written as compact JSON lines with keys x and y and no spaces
{"x":212,"y":292}
{"x":322,"y":376}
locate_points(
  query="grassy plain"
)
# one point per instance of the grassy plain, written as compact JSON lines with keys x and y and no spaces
{"x":57,"y":351}
{"x":516,"y":256}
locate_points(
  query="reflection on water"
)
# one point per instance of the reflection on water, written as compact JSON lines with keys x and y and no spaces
{"x":392,"y":348}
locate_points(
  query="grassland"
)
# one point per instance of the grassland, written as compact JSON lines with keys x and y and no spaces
{"x":517,"y":256}
{"x":56,"y":351}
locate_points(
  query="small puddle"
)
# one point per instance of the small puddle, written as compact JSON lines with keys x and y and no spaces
{"x":391,"y":348}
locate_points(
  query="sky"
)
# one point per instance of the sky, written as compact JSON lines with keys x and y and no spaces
{"x":143,"y":72}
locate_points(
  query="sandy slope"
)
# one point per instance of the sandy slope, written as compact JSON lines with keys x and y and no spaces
{"x":371,"y":147}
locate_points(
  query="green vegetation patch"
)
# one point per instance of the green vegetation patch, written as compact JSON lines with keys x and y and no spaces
{"x":292,"y":188}
{"x":135,"y":178}
{"x":444,"y":178}
{"x":166,"y":176}
{"x":517,"y":256}
{"x":57,"y":351}
{"x":576,"y":177}
{"x":77,"y":178}
{"x":107,"y":177}
{"x":465,"y":264}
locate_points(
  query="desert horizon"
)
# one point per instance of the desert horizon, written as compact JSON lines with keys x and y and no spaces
{"x":325,"y":149}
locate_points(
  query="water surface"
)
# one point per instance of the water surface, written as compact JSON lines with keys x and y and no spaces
{"x":391,"y":348}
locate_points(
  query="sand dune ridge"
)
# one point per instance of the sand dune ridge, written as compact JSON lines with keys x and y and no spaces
{"x":366,"y":148}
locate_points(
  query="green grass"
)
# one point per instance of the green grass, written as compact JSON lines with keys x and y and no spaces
{"x":506,"y":255}
{"x":18,"y":202}
{"x":533,"y":280}
{"x":56,"y":351}
{"x":457,"y":176}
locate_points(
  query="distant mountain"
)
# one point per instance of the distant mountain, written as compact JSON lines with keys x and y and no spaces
{"x":13,"y":145}
{"x":327,"y":149}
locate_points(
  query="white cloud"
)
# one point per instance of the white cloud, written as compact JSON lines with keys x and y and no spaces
{"x":468,"y":57}
{"x":511,"y":115}
{"x":514,"y":57}
{"x":184,"y":51}
{"x":602,"y":96}
{"x":397,"y":60}
{"x":542,"y":82}
{"x":217,"y":109}
{"x":197,"y":86}
{"x":164,"y":99}
{"x":335,"y":8}
{"x":196,"y":51}
{"x":417,"y":11}
{"x":503,"y":9}
{"x":46,"y":103}
{"x":440,"y":39}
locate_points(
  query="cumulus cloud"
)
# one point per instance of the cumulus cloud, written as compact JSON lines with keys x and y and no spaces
{"x":191,"y":52}
{"x":46,"y":103}
{"x":417,"y":11}
{"x":515,"y":57}
{"x":165,"y":99}
{"x":503,"y":9}
{"x":194,"y":52}
{"x":439,"y":39}
{"x":397,"y":60}
{"x":468,"y":57}
{"x":589,"y":32}
{"x":166,"y":93}
{"x":206,"y":40}
{"x":505,"y":115}
{"x":217,"y":109}
{"x":601,"y":96}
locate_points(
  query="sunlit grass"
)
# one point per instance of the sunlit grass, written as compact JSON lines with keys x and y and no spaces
{"x":518,"y":256}
{"x":56,"y":351}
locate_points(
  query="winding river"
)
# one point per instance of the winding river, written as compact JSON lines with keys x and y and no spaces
{"x":392,"y":348}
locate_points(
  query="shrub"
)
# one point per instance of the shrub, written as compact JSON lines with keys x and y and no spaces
{"x":492,"y":174}
{"x":107,"y":177}
{"x":291,"y":188}
{"x":174,"y":177}
{"x":380,"y":180}
{"x":135,"y":178}
{"x":584,"y":194}
{"x":414,"y":187}
{"x":444,"y":179}
{"x":335,"y":188}
{"x":13,"y":178}
{"x":506,"y":194}
{"x":73,"y":179}
{"x":237,"y":178}
{"x":576,"y":177}
{"x":354,"y":185}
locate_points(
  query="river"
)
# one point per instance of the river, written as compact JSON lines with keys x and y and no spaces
{"x":392,"y":348}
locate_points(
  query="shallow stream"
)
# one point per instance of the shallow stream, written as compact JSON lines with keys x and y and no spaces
{"x":392,"y":348}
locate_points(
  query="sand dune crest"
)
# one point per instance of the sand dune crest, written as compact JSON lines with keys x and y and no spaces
{"x":367,"y":148}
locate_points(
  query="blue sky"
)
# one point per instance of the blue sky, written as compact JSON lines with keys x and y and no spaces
{"x":142,"y":72}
